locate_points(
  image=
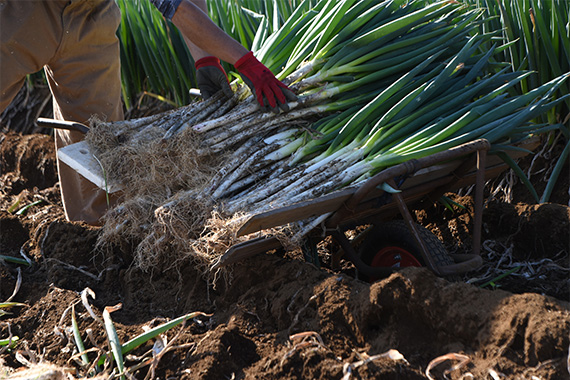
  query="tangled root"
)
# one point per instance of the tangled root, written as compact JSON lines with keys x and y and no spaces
{"x":157,"y":209}
{"x":166,"y":210}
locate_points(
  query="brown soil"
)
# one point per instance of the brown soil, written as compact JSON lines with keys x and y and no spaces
{"x":514,"y":328}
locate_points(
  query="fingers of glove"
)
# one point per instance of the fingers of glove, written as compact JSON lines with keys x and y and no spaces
{"x":207,"y":89}
{"x":265,"y":106}
{"x":266,"y":96}
{"x":257,"y":93}
{"x":249,"y":83}
{"x":205,"y":92}
{"x":273,"y":97}
{"x":220,"y":80}
{"x":281,"y":99}
{"x":225,"y":86}
{"x":211,"y":79}
{"x":284,"y":107}
{"x":283,"y":95}
{"x":289,"y":95}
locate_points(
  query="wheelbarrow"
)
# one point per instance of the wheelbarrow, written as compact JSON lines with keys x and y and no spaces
{"x":387,"y":244}
{"x":371,"y":204}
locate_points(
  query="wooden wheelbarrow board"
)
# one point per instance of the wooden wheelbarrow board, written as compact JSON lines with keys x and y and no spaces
{"x":79,"y":158}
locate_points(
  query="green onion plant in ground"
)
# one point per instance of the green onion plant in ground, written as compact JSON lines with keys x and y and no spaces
{"x":154,"y":56}
{"x":101,"y":365}
{"x":538,"y":33}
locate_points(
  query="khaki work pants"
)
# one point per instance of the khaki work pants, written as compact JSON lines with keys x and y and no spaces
{"x":75,"y":42}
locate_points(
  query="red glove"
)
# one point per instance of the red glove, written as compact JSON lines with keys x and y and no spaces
{"x":211,"y":77}
{"x":263,"y":84}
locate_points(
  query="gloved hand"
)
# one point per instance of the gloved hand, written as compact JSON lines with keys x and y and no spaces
{"x":211,"y":77}
{"x":267,"y":89}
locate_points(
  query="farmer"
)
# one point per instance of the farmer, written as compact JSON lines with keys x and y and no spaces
{"x":75,"y":42}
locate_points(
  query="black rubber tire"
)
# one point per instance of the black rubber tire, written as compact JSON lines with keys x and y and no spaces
{"x":396,"y":233}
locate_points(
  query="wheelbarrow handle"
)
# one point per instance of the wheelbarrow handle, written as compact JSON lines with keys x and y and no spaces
{"x":61,"y":124}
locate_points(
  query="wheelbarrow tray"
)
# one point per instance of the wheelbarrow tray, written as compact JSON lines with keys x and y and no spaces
{"x":418,"y":180}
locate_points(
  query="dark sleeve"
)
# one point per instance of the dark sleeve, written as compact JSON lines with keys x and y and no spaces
{"x":166,"y":7}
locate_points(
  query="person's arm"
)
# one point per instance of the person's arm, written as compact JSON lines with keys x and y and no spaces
{"x":210,"y":75}
{"x":207,"y":40}
{"x":205,"y":37}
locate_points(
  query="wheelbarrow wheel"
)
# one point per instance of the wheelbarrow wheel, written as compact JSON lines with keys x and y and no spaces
{"x":391,"y":244}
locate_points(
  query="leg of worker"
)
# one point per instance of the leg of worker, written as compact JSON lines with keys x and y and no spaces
{"x":30,"y":32}
{"x":84,"y":77}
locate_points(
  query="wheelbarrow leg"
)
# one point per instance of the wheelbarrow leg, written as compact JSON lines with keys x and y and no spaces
{"x":412,"y":227}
